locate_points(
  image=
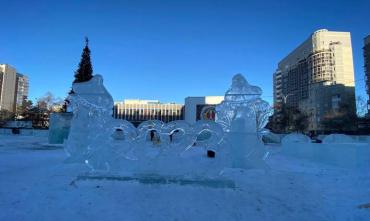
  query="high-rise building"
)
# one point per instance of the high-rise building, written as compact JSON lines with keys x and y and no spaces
{"x":316,"y":77}
{"x":367,"y":69}
{"x":137,"y":111}
{"x":7,"y":87}
{"x":13,"y":88}
{"x":22,"y":86}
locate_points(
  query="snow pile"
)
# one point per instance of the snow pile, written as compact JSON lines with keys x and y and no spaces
{"x":295,"y":138}
{"x":339,"y":152}
{"x":270,"y":137}
{"x":361,"y":138}
{"x":337,"y":138}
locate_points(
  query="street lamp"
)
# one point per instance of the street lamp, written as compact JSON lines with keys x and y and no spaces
{"x":284,"y":106}
{"x":286,"y":96}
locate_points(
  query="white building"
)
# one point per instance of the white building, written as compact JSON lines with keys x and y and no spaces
{"x":137,"y":111}
{"x":7,"y":87}
{"x":317,"y":76}
{"x":201,"y":108}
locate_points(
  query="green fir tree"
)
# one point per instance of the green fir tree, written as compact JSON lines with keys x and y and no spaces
{"x":84,"y":71}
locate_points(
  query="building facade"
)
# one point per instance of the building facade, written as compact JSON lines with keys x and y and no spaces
{"x":13,"y":88}
{"x":201,"y":108}
{"x":367,"y":70}
{"x":316,"y":77}
{"x":7,"y":87}
{"x":22,"y":86}
{"x":137,"y":111}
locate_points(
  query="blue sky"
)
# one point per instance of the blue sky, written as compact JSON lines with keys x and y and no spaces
{"x":168,"y":50}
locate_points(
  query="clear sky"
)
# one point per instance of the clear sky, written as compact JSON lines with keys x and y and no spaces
{"x":168,"y":50}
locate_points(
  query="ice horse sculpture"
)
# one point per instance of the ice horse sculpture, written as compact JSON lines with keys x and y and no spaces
{"x":177,"y":148}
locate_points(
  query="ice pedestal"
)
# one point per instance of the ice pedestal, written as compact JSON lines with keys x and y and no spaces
{"x":247,"y":151}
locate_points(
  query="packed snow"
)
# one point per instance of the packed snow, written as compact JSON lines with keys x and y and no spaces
{"x":36,"y":184}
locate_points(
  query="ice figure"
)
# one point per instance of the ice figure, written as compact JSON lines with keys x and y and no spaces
{"x":243,"y":100}
{"x":96,"y":138}
{"x":240,"y":115}
{"x":93,"y":132}
{"x":89,"y":102}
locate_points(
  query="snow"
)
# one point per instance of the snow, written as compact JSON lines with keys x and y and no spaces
{"x":338,"y":149}
{"x":295,"y":138}
{"x":338,"y":138}
{"x":36,"y":184}
{"x":25,"y":132}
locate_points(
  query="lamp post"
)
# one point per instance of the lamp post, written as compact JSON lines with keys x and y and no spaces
{"x":285,"y":109}
{"x":286,"y":96}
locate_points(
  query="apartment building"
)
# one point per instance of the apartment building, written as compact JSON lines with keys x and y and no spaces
{"x":317,"y":76}
{"x":7,"y":87}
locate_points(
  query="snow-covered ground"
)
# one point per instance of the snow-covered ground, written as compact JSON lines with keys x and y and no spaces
{"x":35,"y":184}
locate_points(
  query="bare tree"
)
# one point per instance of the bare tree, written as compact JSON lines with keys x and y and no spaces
{"x":49,"y":103}
{"x":361,"y":106}
{"x":5,"y":115}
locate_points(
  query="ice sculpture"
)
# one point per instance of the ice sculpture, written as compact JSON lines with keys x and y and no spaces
{"x":176,"y":148}
{"x":208,"y":134}
{"x":125,"y":131}
{"x":240,"y":114}
{"x":91,"y":104}
{"x":243,"y":100}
